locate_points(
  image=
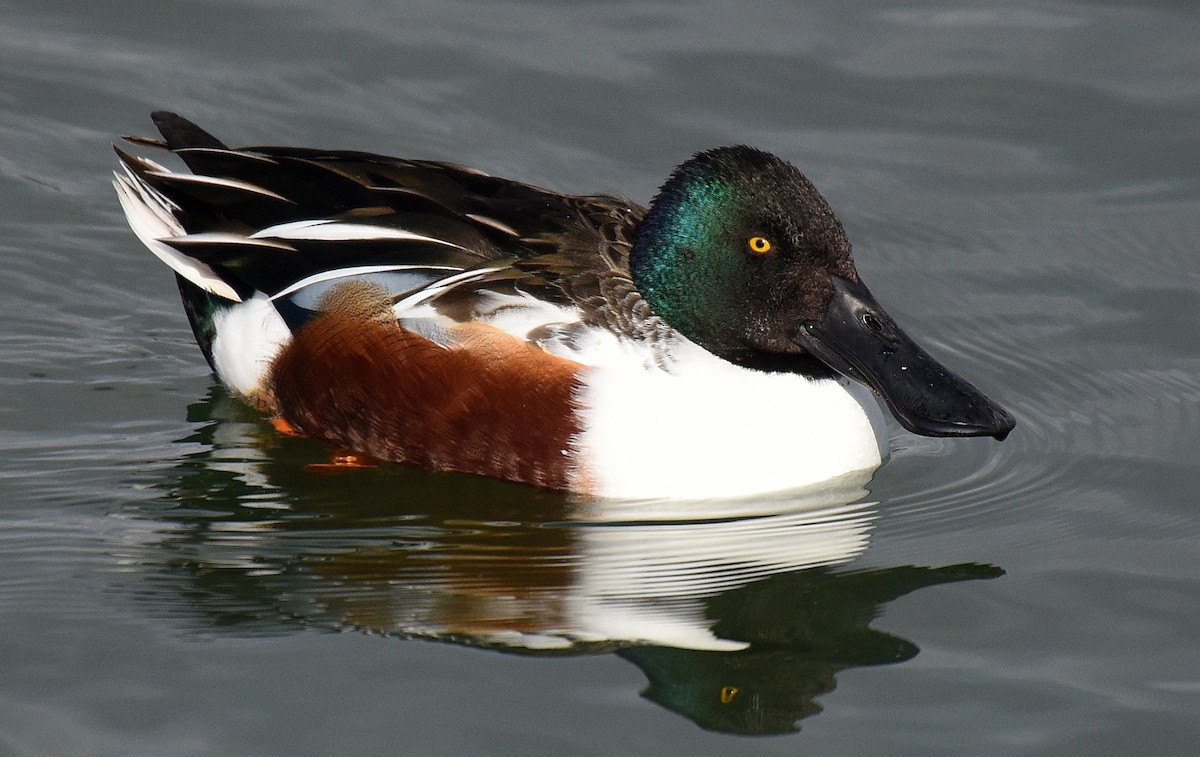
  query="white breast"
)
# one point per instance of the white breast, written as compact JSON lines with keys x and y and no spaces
{"x":707,"y":428}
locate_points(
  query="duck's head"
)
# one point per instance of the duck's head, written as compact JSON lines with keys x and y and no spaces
{"x":741,"y":254}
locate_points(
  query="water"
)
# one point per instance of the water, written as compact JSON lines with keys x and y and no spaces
{"x":1020,"y":182}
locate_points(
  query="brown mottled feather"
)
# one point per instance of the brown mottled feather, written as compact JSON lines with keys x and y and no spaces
{"x":489,"y":404}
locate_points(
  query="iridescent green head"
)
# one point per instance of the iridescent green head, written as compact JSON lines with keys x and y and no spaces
{"x":742,"y":255}
{"x":737,"y":248}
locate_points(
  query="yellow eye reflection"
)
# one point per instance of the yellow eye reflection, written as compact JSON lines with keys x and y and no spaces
{"x":759,"y":245}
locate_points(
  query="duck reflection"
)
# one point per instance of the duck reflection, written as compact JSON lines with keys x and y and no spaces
{"x":735,"y":611}
{"x":800,"y":629}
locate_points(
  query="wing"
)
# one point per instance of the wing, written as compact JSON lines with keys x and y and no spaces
{"x":450,"y":243}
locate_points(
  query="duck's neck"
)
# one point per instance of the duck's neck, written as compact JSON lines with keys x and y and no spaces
{"x":678,"y":276}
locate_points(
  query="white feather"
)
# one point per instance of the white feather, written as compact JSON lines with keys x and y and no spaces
{"x":152,"y":219}
{"x":708,"y":429}
{"x":521,"y":313}
{"x":330,"y":231}
{"x":354,"y":271}
{"x":415,"y":300}
{"x":219,"y":182}
{"x":230,"y":238}
{"x":248,"y":337}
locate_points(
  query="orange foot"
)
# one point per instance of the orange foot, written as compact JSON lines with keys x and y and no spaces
{"x":284,"y":427}
{"x":342,"y":461}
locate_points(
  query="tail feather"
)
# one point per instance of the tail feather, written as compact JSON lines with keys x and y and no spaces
{"x":181,"y":133}
{"x":152,"y":217}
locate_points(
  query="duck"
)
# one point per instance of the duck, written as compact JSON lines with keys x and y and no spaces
{"x":718,"y":342}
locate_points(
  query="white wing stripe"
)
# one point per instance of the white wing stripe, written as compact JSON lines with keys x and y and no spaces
{"x":339,"y":273}
{"x":328,"y":230}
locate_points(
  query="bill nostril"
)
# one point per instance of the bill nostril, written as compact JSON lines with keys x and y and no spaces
{"x":873,"y":324}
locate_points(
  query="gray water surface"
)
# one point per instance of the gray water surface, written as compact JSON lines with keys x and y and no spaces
{"x":1022,"y":185}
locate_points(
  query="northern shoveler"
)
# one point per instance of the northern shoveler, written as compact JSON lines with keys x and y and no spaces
{"x":718,"y":343}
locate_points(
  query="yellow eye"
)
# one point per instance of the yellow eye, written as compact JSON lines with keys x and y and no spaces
{"x":760,"y":245}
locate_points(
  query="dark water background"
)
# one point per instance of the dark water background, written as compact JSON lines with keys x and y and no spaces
{"x":1022,"y":184}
